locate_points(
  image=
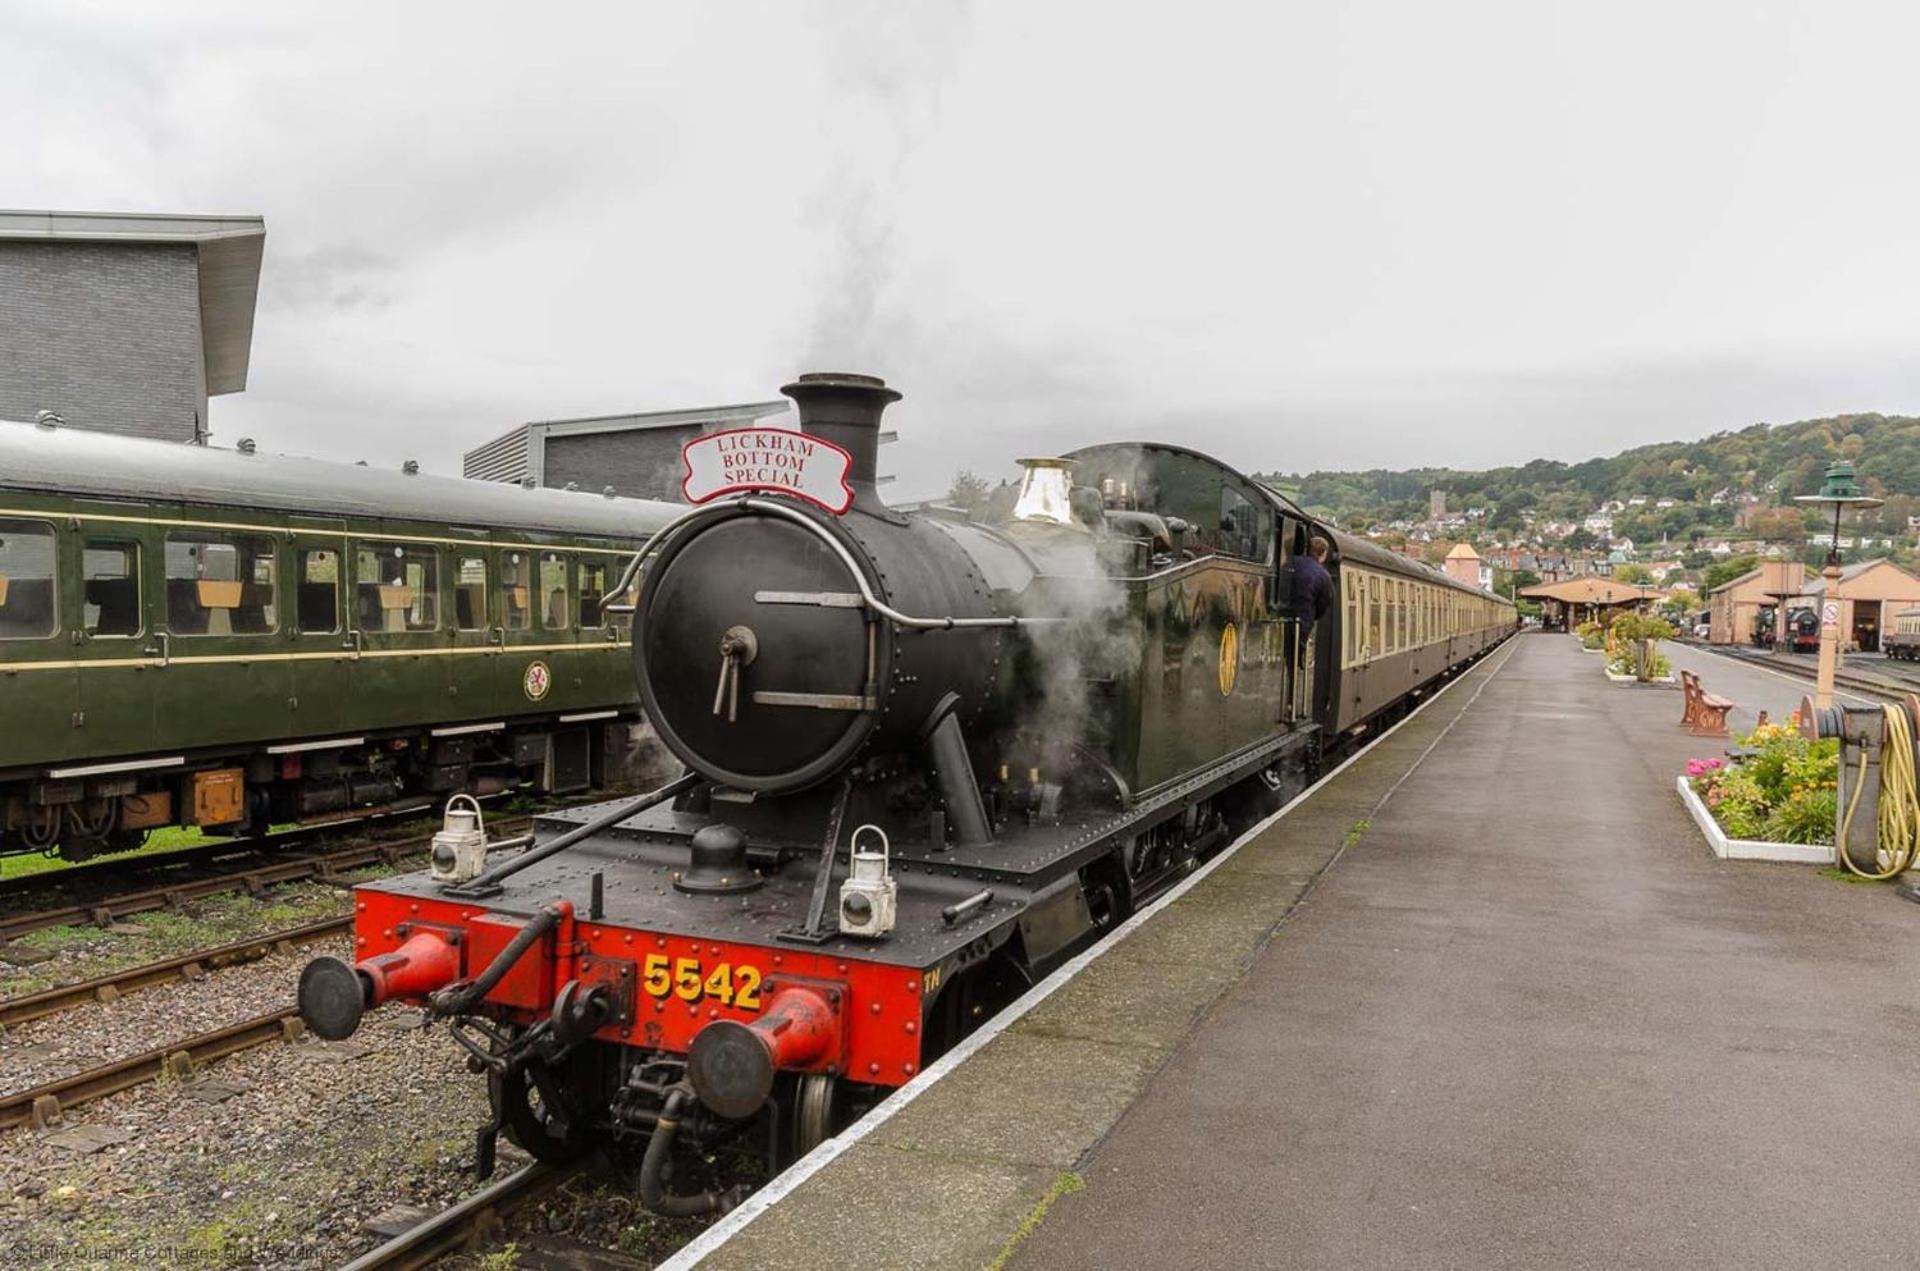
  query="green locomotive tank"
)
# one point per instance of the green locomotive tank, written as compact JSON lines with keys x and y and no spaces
{"x":227,"y":639}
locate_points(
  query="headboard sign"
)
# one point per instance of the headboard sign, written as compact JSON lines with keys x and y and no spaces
{"x":777,"y":459}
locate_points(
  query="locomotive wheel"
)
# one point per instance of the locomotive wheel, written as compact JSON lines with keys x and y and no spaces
{"x":519,"y":1105}
{"x":813,"y":1112}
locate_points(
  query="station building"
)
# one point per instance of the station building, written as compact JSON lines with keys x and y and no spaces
{"x":1870,"y":594}
{"x":1588,"y":598}
{"x":1733,"y":608}
{"x":124,"y":322}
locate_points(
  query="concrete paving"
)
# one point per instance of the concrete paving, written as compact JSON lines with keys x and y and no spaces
{"x":953,"y":1177}
{"x":1484,"y":1000}
{"x":1752,"y":687}
{"x":1528,"y":1021}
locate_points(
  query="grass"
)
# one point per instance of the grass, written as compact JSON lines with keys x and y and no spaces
{"x":1064,"y":1184}
{"x":1844,"y":875}
{"x":1354,"y":832}
{"x":160,"y":842}
{"x":213,"y":920}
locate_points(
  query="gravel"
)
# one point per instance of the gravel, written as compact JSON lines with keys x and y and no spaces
{"x":66,"y":955}
{"x":283,"y":1174}
{"x":95,"y":1033}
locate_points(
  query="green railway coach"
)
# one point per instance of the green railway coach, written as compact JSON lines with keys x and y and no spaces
{"x":198,"y":636}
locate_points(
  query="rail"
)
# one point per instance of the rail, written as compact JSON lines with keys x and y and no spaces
{"x":18,"y":1010}
{"x":40,"y":1104}
{"x":466,"y":1222}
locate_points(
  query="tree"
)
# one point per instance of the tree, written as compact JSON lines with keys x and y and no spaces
{"x":969,"y":491}
{"x":1633,"y":575}
{"x":1728,"y":570}
{"x":1580,"y":540}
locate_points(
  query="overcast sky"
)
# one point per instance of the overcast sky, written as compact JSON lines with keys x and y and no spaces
{"x":1298,"y":236}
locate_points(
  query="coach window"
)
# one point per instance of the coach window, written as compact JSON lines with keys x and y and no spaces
{"x":554,"y":614}
{"x":516,"y":591}
{"x":316,"y":589}
{"x":593,"y":592}
{"x":396,"y":587}
{"x":111,"y":573}
{"x":1376,"y":616}
{"x":470,"y":593}
{"x":28,"y":608}
{"x":1350,"y":596}
{"x":220,"y":584}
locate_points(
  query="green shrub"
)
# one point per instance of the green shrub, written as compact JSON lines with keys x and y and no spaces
{"x":1786,"y":792}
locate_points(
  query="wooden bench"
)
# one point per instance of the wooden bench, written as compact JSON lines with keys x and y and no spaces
{"x":1704,"y":715}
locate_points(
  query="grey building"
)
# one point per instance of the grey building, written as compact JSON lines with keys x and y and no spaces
{"x":637,"y":455}
{"x":125,"y":322}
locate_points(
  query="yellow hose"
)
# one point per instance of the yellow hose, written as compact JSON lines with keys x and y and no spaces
{"x":1898,"y":833}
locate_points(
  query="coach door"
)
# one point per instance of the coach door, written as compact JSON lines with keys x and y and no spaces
{"x":397,"y":625}
{"x":323,"y":692}
{"x":108,"y":613}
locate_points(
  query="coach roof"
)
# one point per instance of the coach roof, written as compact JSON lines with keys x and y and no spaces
{"x":75,"y":461}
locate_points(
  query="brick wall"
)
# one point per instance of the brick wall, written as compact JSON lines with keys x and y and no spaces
{"x":107,"y":334}
{"x":640,"y":464}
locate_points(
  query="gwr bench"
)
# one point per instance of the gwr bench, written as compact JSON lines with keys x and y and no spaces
{"x":1704,"y":715}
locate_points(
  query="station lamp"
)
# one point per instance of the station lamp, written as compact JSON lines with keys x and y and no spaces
{"x":1839,"y":491}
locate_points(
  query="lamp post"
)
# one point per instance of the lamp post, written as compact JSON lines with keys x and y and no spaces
{"x":1839,"y":492}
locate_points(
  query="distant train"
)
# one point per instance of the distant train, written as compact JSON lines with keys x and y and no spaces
{"x":1803,"y":628}
{"x":224,"y":639}
{"x":928,"y":758}
{"x":1902,"y":639}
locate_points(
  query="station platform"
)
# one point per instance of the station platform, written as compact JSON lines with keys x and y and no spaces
{"x":1482,"y":999}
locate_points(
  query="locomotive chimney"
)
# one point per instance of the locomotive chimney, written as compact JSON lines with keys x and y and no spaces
{"x":845,"y":409}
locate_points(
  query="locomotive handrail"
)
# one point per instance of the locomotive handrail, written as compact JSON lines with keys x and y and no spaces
{"x":819,"y":531}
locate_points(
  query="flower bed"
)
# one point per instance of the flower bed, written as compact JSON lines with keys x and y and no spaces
{"x":1620,"y":669}
{"x":1777,"y":803}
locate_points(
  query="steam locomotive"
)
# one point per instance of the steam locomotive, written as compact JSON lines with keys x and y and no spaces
{"x":928,"y":757}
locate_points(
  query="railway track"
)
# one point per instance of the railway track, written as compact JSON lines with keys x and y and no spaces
{"x":39,"y":1105}
{"x":1893,"y":688}
{"x":122,"y":866}
{"x":107,"y":988}
{"x":254,"y":878}
{"x":466,"y":1223}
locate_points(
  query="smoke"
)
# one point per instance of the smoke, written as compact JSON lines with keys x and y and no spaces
{"x":892,"y":62}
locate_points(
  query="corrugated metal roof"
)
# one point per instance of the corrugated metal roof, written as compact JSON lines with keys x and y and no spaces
{"x":109,"y":465}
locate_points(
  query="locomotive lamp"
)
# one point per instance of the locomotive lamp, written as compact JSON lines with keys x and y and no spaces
{"x":1839,"y":492}
{"x":870,"y":896}
{"x":460,"y":848}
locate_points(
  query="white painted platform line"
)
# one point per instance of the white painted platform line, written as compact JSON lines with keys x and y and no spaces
{"x":1732,"y":849}
{"x":813,"y":1162}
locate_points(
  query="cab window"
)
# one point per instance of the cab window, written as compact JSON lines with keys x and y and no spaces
{"x":396,"y":587}
{"x":110,"y":572}
{"x":28,"y":602}
{"x":220,"y":584}
{"x":1240,"y":526}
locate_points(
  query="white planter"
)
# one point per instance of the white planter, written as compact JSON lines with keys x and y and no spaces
{"x":1618,"y":678}
{"x":1730,"y":849}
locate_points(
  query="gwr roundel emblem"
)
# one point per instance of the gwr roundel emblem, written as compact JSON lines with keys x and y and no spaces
{"x":1229,"y":658}
{"x":536,"y":681}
